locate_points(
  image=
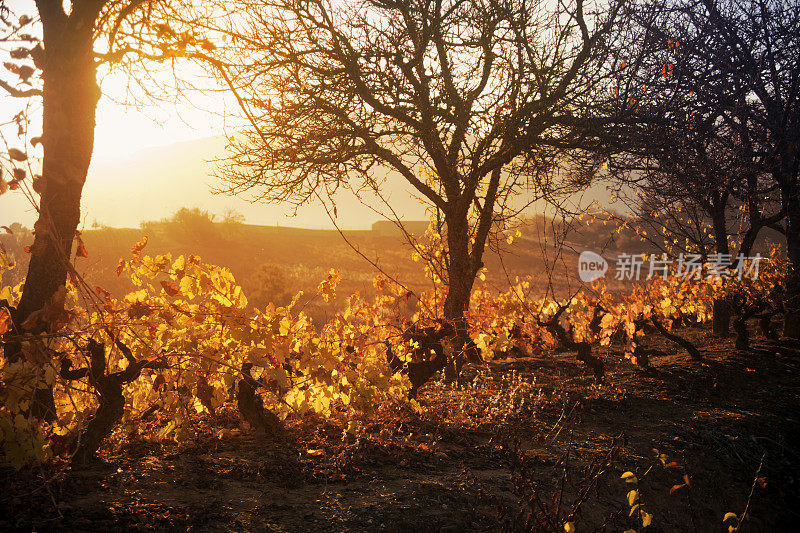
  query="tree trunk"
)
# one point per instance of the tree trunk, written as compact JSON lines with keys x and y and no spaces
{"x":790,"y":197}
{"x":742,"y":334}
{"x":461,"y":274}
{"x":721,"y":320}
{"x":677,"y":339}
{"x":69,"y":102}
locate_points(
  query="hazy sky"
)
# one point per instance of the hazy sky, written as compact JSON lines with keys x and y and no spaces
{"x":125,"y":188}
{"x":124,"y":129}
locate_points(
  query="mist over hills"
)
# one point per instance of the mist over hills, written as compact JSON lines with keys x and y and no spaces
{"x":154,"y":183}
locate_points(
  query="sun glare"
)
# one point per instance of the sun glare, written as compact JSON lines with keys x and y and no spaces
{"x":125,"y":127}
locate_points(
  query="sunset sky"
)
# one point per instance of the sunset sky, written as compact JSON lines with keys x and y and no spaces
{"x":150,"y":161}
{"x":131,"y":181}
{"x":124,"y":125}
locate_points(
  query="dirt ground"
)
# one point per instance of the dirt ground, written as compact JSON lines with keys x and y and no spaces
{"x":528,"y":439}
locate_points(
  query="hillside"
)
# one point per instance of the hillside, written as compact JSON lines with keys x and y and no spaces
{"x":155,"y":182}
{"x":273,"y":263}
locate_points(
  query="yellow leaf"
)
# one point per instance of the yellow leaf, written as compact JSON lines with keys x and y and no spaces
{"x":633,"y":496}
{"x":569,"y":527}
{"x":629,"y":477}
{"x":647,"y":519}
{"x":728,"y":516}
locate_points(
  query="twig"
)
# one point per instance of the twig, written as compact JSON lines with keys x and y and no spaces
{"x":742,"y":517}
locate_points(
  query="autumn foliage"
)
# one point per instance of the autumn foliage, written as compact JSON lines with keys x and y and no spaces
{"x":186,"y":342}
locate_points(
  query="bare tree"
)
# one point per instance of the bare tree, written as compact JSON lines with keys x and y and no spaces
{"x":731,"y":69}
{"x":69,"y":93}
{"x":472,"y":102}
{"x":57,"y":62}
{"x":696,"y":147}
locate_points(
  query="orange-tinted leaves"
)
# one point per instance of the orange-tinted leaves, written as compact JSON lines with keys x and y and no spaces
{"x":206,"y":284}
{"x":139,"y":310}
{"x":205,"y":393}
{"x":120,"y":267}
{"x":5,"y":321}
{"x":676,"y":488}
{"x":139,"y":246}
{"x":54,"y":313}
{"x":38,"y":184}
{"x":33,"y":353}
{"x":170,"y":288}
{"x":159,"y":382}
{"x":14,"y":153}
{"x":37,"y":248}
{"x":81,"y":250}
{"x":108,"y":302}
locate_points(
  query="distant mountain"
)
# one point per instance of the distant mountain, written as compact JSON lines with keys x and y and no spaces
{"x":156,"y":182}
